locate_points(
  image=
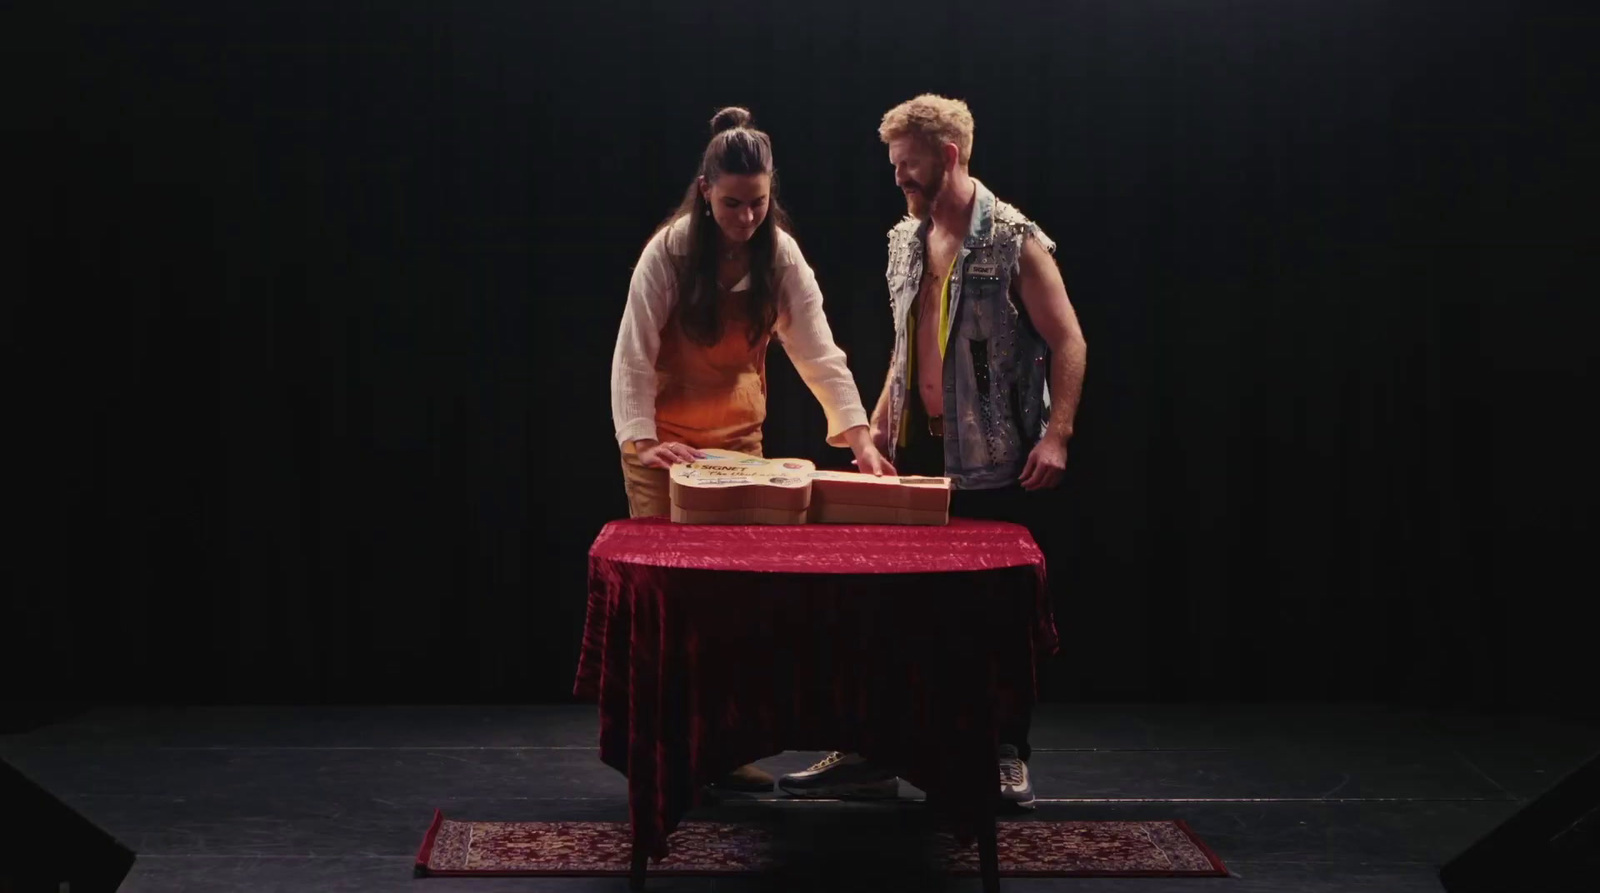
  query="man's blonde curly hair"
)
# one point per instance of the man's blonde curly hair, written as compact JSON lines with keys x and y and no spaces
{"x":933,"y":119}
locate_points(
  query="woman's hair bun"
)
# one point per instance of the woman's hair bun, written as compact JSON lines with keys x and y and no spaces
{"x":729,"y":118}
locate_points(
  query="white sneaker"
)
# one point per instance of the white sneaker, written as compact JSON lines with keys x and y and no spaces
{"x":1015,"y":786}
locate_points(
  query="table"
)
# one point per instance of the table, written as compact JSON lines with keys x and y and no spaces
{"x":711,"y":646}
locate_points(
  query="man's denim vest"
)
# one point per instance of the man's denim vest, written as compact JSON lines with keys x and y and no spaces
{"x":996,"y":365}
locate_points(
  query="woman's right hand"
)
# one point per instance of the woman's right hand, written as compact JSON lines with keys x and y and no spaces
{"x":665,"y":454}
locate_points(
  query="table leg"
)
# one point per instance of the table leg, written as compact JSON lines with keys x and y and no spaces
{"x":989,"y":853}
{"x":641,"y":856}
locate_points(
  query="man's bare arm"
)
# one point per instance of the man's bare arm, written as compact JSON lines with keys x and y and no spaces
{"x":880,"y":415}
{"x":1044,"y":295}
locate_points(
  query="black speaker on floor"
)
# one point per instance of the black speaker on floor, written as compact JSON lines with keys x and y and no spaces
{"x":1550,"y":845}
{"x":46,"y":847}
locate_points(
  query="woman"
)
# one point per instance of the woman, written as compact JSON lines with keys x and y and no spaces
{"x":714,"y":284}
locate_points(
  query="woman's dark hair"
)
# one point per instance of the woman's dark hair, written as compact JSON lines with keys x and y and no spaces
{"x":735,"y":148}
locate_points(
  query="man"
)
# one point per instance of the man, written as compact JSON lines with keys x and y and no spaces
{"x":986,"y":373}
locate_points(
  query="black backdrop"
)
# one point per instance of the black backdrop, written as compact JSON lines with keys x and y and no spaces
{"x":310,"y":308}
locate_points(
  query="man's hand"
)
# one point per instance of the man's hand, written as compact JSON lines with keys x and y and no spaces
{"x":1045,"y":464}
{"x":880,"y":418}
{"x":653,"y":454}
{"x":880,"y":434}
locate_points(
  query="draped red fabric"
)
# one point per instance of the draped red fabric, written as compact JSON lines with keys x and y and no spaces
{"x":711,"y":646}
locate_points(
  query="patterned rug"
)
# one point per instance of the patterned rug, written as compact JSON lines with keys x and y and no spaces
{"x":1027,"y":849}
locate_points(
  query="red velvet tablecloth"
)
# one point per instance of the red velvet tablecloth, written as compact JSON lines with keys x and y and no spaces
{"x":709,"y":646}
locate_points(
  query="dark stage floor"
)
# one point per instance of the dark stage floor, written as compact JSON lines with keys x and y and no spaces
{"x":335,"y":799}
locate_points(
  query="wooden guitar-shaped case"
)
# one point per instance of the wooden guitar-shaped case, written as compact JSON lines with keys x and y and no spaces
{"x":736,"y":488}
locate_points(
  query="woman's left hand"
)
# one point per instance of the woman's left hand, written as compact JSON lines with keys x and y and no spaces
{"x":871,"y":461}
{"x":868,"y":458}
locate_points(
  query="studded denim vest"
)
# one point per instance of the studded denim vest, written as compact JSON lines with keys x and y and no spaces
{"x":996,"y":365}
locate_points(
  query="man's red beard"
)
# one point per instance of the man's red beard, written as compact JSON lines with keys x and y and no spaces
{"x":919,"y":197}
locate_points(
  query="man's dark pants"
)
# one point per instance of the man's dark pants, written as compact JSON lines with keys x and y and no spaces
{"x":924,"y":455}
